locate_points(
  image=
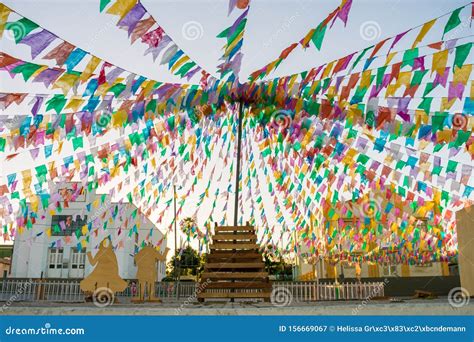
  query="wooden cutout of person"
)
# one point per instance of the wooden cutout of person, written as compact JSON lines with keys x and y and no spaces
{"x":146,"y":260}
{"x":106,"y":271}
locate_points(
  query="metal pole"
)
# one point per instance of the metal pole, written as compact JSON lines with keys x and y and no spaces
{"x":239,"y":152}
{"x":175,"y":230}
{"x":176,"y":262}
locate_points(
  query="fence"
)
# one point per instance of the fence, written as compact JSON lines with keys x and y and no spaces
{"x":68,"y":291}
{"x":306,"y":291}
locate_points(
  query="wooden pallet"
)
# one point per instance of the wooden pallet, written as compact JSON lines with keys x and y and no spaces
{"x":234,"y":266}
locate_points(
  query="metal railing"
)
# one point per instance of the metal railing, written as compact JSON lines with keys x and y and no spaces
{"x":68,"y":291}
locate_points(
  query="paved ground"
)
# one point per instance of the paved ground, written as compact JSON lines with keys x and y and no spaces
{"x":374,"y":307}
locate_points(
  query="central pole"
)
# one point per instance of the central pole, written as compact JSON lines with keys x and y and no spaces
{"x":239,"y":152}
{"x":175,"y":225}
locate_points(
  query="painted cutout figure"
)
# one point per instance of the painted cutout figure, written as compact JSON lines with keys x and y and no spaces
{"x":146,"y":260}
{"x":106,"y":271}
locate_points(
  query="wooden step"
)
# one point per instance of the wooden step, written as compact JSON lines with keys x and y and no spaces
{"x":236,"y":285}
{"x":241,"y":246}
{"x":235,"y":265}
{"x":234,"y":275}
{"x":234,"y":294}
{"x":219,"y":229}
{"x":216,"y":254}
{"x":234,"y":237}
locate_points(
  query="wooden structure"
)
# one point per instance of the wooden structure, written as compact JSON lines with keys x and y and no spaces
{"x":465,"y":231}
{"x":234,"y":267}
{"x":106,"y":272}
{"x":146,"y":260}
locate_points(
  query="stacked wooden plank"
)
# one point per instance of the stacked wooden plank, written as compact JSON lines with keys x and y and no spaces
{"x":234,"y":267}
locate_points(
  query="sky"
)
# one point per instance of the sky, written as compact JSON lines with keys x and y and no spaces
{"x":193,"y":24}
{"x":272,"y":26}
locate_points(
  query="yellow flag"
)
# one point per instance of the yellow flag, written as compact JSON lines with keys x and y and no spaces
{"x":121,"y":7}
{"x":179,"y":63}
{"x":91,"y":66}
{"x":446,"y":103}
{"x":4,"y":13}
{"x":365,"y":80}
{"x":66,"y":82}
{"x":119,"y":118}
{"x":439,"y":62}
{"x":328,"y":69}
{"x":74,"y":104}
{"x":390,"y":57}
{"x":424,"y":30}
{"x":462,"y":74}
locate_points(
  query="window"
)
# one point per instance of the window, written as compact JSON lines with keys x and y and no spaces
{"x":66,"y":225}
{"x":389,"y":270}
{"x":55,"y":260}
{"x":425,"y":264}
{"x":73,"y":193}
{"x":78,"y":258}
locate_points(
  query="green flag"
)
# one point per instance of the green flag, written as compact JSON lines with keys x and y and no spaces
{"x":103,"y":4}
{"x":21,"y":28}
{"x":318,"y":36}
{"x":77,"y":143}
{"x":26,"y":69}
{"x":57,"y":102}
{"x":462,"y":51}
{"x":453,"y":21}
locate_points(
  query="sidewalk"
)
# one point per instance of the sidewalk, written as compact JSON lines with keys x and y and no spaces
{"x":408,"y":307}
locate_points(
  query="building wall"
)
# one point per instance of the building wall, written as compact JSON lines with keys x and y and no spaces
{"x":465,"y":231}
{"x":32,"y":247}
{"x":4,"y":267}
{"x":323,"y":270}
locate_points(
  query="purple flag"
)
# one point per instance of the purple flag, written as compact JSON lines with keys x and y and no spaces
{"x":132,"y":18}
{"x":397,"y":39}
{"x":455,"y":90}
{"x":441,"y":79}
{"x":192,"y":72}
{"x":343,"y":14}
{"x":48,"y":76}
{"x":419,"y":63}
{"x":38,"y":42}
{"x":37,"y":105}
{"x":402,"y":109}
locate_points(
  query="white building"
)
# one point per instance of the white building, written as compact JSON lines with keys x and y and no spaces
{"x":37,"y":252}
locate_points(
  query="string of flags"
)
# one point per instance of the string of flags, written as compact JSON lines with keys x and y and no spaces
{"x":364,"y":158}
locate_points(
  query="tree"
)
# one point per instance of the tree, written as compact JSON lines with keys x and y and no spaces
{"x":277,"y":267}
{"x":189,"y":263}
